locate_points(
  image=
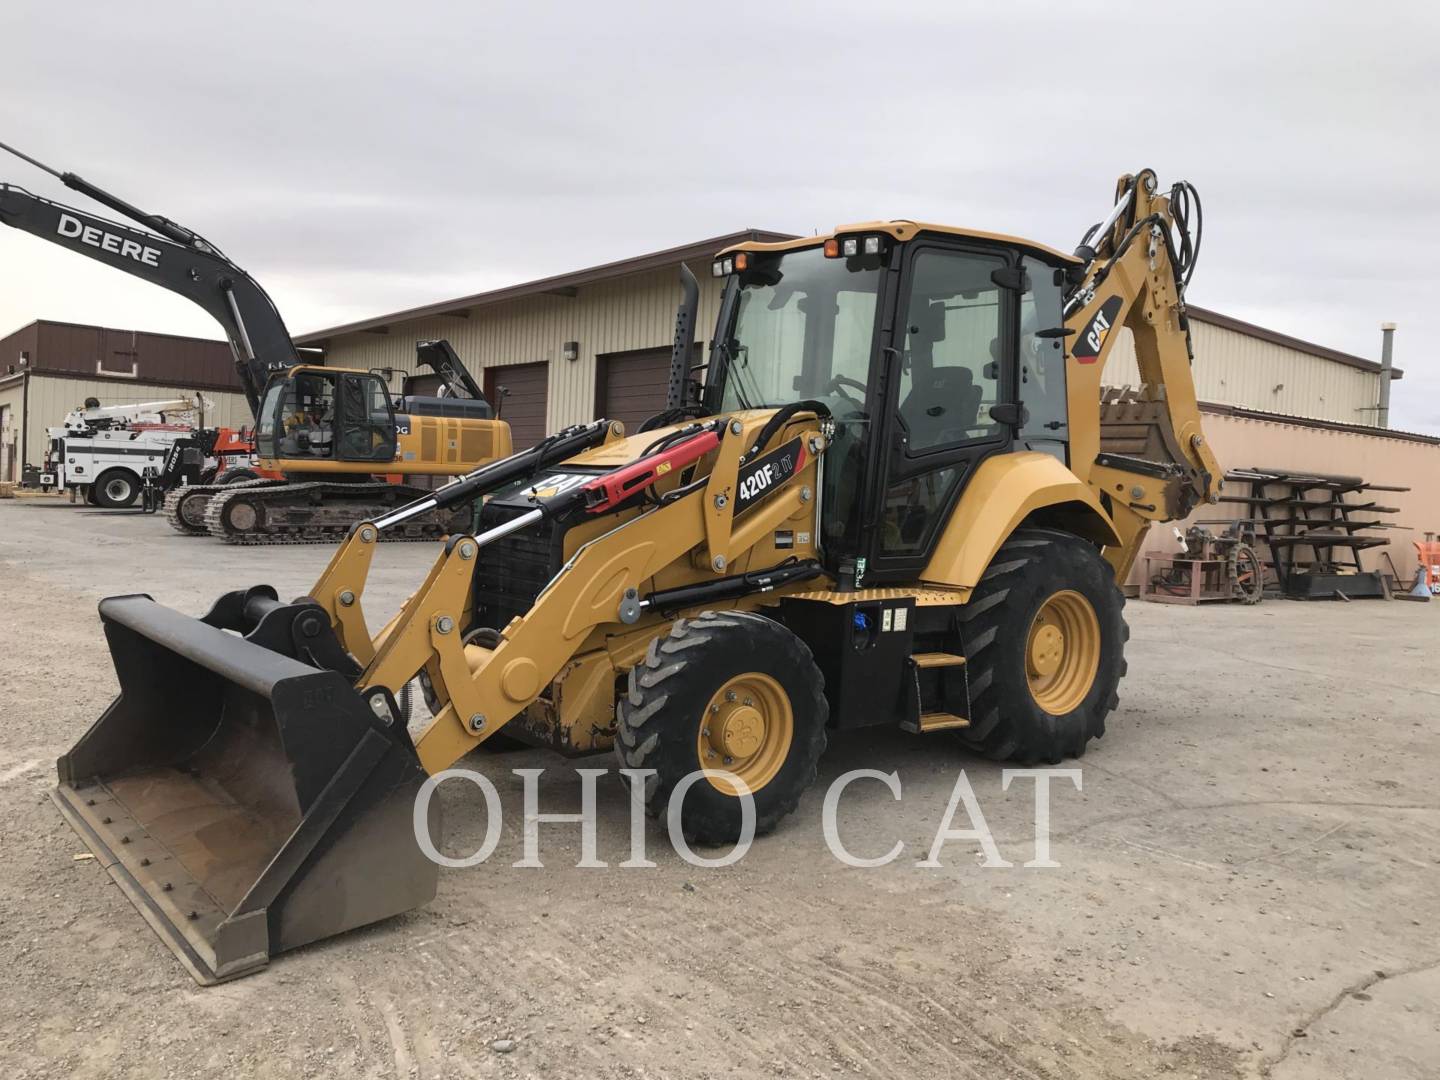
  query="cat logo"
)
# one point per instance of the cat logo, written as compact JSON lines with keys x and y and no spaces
{"x":1098,"y":329}
{"x":1092,"y":338}
{"x":554,"y":485}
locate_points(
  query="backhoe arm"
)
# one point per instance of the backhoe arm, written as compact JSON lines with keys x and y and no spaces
{"x":1143,"y":452}
{"x":167,"y":255}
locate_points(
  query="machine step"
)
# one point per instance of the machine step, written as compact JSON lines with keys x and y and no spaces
{"x":936,"y":721}
{"x":937,"y":659}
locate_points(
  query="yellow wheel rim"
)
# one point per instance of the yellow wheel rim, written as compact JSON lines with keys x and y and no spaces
{"x":747,"y":730}
{"x":1062,"y":652}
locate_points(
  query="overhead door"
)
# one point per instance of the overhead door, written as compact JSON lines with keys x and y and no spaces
{"x":517,"y":393}
{"x":632,"y":387}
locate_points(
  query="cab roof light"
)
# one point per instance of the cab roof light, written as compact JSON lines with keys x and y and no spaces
{"x":725,"y":266}
{"x":851,"y":246}
{"x":742,"y":261}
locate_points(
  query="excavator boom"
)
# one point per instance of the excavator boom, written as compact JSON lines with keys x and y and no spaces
{"x":167,"y":255}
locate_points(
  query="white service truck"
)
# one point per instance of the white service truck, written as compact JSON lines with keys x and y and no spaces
{"x":102,"y":452}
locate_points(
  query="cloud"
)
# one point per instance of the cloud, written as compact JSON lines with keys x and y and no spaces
{"x":361,"y":158}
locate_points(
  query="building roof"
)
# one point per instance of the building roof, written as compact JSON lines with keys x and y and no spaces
{"x":1312,"y":422}
{"x":702,"y":251}
{"x":1274,"y":337}
{"x":113,"y":330}
{"x":83,"y":351}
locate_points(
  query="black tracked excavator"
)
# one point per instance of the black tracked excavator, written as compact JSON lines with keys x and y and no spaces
{"x":330,"y":442}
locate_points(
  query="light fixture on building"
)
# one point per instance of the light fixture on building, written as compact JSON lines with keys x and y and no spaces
{"x":570,"y":350}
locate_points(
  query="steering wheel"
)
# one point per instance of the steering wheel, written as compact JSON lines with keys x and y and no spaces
{"x":837,"y":384}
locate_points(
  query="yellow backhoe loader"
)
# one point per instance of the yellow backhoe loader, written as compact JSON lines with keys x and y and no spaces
{"x":896,"y":497}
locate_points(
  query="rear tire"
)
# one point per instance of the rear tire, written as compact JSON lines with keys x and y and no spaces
{"x":115,"y":489}
{"x":237,"y":476}
{"x":1044,"y":641}
{"x":730,"y":691}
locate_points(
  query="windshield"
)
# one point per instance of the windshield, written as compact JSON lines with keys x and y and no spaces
{"x":803,"y":327}
{"x":297,"y":417}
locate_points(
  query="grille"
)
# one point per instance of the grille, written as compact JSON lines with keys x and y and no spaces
{"x":513,"y":569}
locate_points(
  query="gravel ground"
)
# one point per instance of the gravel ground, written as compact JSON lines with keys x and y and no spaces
{"x":1249,"y":882}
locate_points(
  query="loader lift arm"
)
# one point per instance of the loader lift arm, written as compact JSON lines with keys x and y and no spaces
{"x":165,"y":254}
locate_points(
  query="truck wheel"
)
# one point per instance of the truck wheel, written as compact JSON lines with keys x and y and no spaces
{"x":730,"y":691}
{"x":115,"y":488}
{"x":237,"y":476}
{"x":1044,"y":642}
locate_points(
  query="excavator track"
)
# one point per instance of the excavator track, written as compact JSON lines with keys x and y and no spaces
{"x":317,"y":512}
{"x":185,"y":506}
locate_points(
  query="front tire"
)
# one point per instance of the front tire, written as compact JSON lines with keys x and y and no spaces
{"x":731,"y":691}
{"x":1044,"y":640}
{"x":115,"y":489}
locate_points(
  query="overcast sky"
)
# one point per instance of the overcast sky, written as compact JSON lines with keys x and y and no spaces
{"x":359,"y":161}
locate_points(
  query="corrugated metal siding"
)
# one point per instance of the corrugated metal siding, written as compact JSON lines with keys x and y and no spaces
{"x":51,"y":398}
{"x":23,"y":342}
{"x":1232,"y":368}
{"x":12,"y":405}
{"x":636,"y":312}
{"x":93,"y":350}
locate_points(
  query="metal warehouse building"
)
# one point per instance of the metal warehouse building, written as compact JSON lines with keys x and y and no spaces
{"x":50,"y":368}
{"x":596,"y":342}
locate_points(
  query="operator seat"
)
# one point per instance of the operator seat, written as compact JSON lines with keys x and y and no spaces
{"x":943,"y":405}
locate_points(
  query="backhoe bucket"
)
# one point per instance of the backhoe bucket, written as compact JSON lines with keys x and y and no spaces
{"x":247,"y":802}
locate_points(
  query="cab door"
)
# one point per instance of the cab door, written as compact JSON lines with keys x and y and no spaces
{"x":951,"y":395}
{"x":367,"y":420}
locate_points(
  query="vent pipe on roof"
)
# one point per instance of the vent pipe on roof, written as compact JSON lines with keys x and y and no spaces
{"x":1387,"y":365}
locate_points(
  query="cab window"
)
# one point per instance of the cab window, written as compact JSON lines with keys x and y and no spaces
{"x":368,"y":430}
{"x":1042,"y":361}
{"x":306,"y":418}
{"x":950,"y":359}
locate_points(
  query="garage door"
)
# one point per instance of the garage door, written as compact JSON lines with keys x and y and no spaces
{"x":631,"y":387}
{"x":517,"y":392}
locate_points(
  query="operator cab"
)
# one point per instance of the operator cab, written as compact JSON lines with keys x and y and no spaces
{"x":310,"y":414}
{"x":932,"y":348}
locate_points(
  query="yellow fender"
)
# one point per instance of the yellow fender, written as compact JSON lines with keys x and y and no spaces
{"x":1005,"y":490}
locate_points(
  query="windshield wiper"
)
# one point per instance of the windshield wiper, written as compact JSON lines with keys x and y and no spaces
{"x":734,"y":368}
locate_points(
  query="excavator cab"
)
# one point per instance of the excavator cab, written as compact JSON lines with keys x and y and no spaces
{"x":310,"y":416}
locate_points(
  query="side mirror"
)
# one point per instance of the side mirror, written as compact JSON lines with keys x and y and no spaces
{"x":1011,"y":277}
{"x":1009,"y":414}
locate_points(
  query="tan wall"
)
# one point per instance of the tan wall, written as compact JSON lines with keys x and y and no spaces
{"x":1244,"y":443}
{"x":51,"y":398}
{"x":1232,"y":368}
{"x":635,"y":312}
{"x":12,"y":399}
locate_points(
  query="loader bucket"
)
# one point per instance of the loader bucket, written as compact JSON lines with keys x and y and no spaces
{"x":245,"y":801}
